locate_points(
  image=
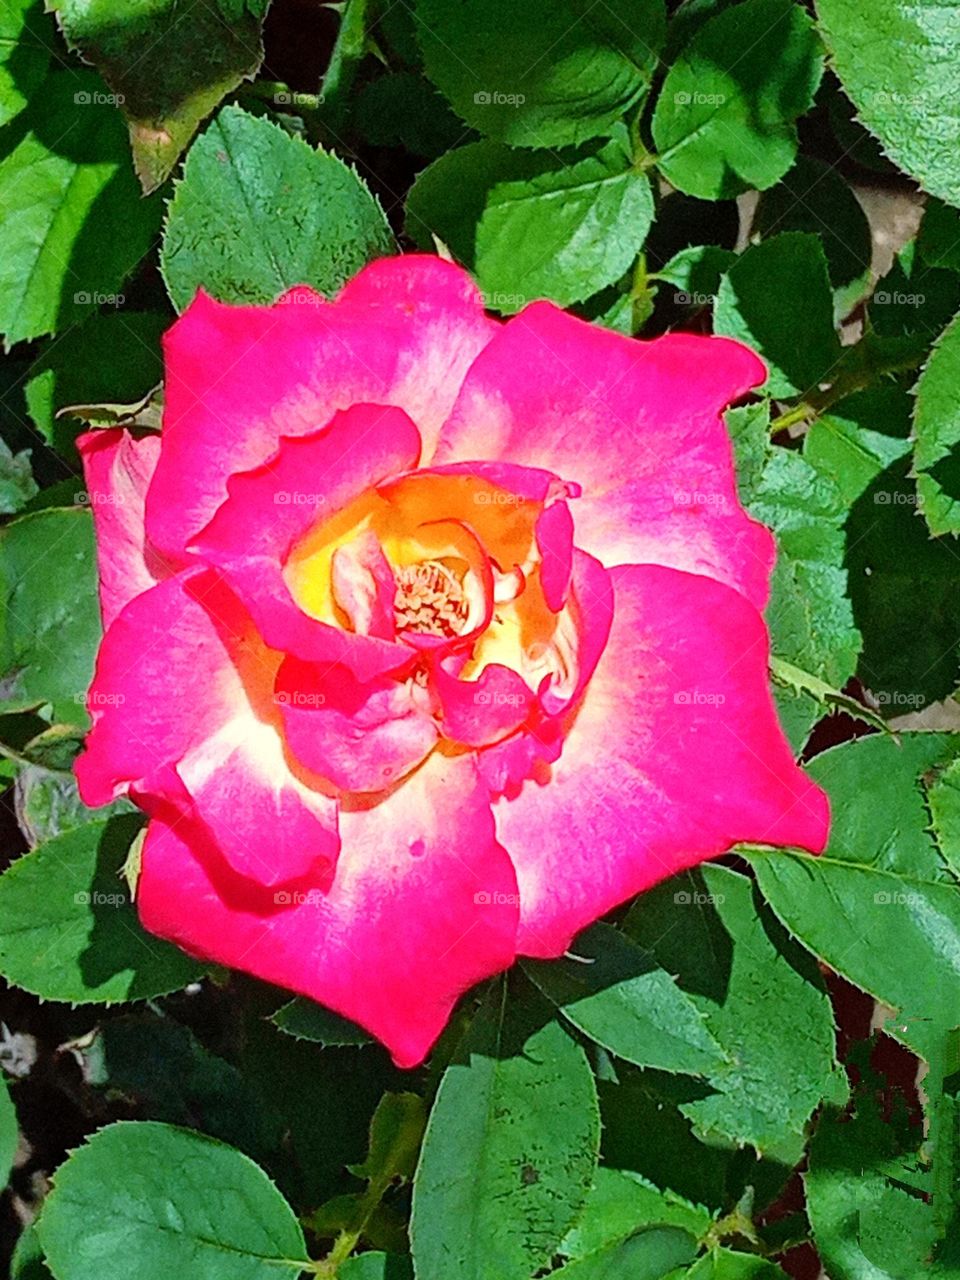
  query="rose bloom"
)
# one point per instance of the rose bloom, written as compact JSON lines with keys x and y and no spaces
{"x":429,"y":638}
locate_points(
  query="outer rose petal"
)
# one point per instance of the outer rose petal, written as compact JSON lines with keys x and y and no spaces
{"x":237,"y":378}
{"x":118,"y":468}
{"x":421,"y":907}
{"x":310,"y":478}
{"x":450,"y":330}
{"x":182,"y":699}
{"x":636,"y":424}
{"x":674,"y":756}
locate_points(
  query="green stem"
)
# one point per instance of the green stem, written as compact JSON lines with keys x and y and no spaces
{"x":858,"y":368}
{"x":348,"y":1240}
{"x":802,"y":412}
{"x":641,"y":295}
{"x":348,"y":53}
{"x":9,"y":753}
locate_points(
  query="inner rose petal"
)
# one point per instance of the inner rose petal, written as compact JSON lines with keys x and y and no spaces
{"x":471,"y":574}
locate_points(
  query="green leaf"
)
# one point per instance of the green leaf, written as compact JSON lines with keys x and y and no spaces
{"x":686,"y":21}
{"x":147,"y":1199}
{"x":645,"y":1130}
{"x":651,"y":1254}
{"x":306,"y":1020}
{"x":802,"y":682}
{"x":900,"y":70}
{"x":500,"y":1181}
{"x":620,"y":1203}
{"x":859,"y":437}
{"x":9,"y":1133}
{"x":535,"y":225}
{"x":724,"y":1264}
{"x":48,"y":804}
{"x":724,"y":117}
{"x":911,"y":306}
{"x":868,"y":1218}
{"x":797,"y":712}
{"x":404,"y":109}
{"x":813,"y":198}
{"x":168,"y":73}
{"x":17,"y":485}
{"x":113,"y":356}
{"x":857,"y":145}
{"x":899,"y":574}
{"x":50,"y":621}
{"x":938,"y":240}
{"x":810,"y":617}
{"x":546,"y":73}
{"x":798,"y":341}
{"x":24,"y":54}
{"x":943,"y":797}
{"x":27,"y":1262}
{"x":696,"y":272}
{"x":160,"y":1067}
{"x":936,"y":429}
{"x":764,"y":1001}
{"x":75,"y":221}
{"x":880,"y":905}
{"x":396,"y":1132}
{"x":69,"y":929}
{"x":940,"y":1152}
{"x":376,"y":1266}
{"x":617,"y":994}
{"x":326,"y":1100}
{"x":258,"y":211}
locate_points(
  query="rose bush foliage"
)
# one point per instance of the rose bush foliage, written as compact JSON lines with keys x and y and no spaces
{"x":479,"y":614}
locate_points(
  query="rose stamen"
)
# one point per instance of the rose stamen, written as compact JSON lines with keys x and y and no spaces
{"x":429,"y":600}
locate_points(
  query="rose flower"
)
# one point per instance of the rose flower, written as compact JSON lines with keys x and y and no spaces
{"x":429,"y":638}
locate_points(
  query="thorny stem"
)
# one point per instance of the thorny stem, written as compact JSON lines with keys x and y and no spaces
{"x":858,"y":368}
